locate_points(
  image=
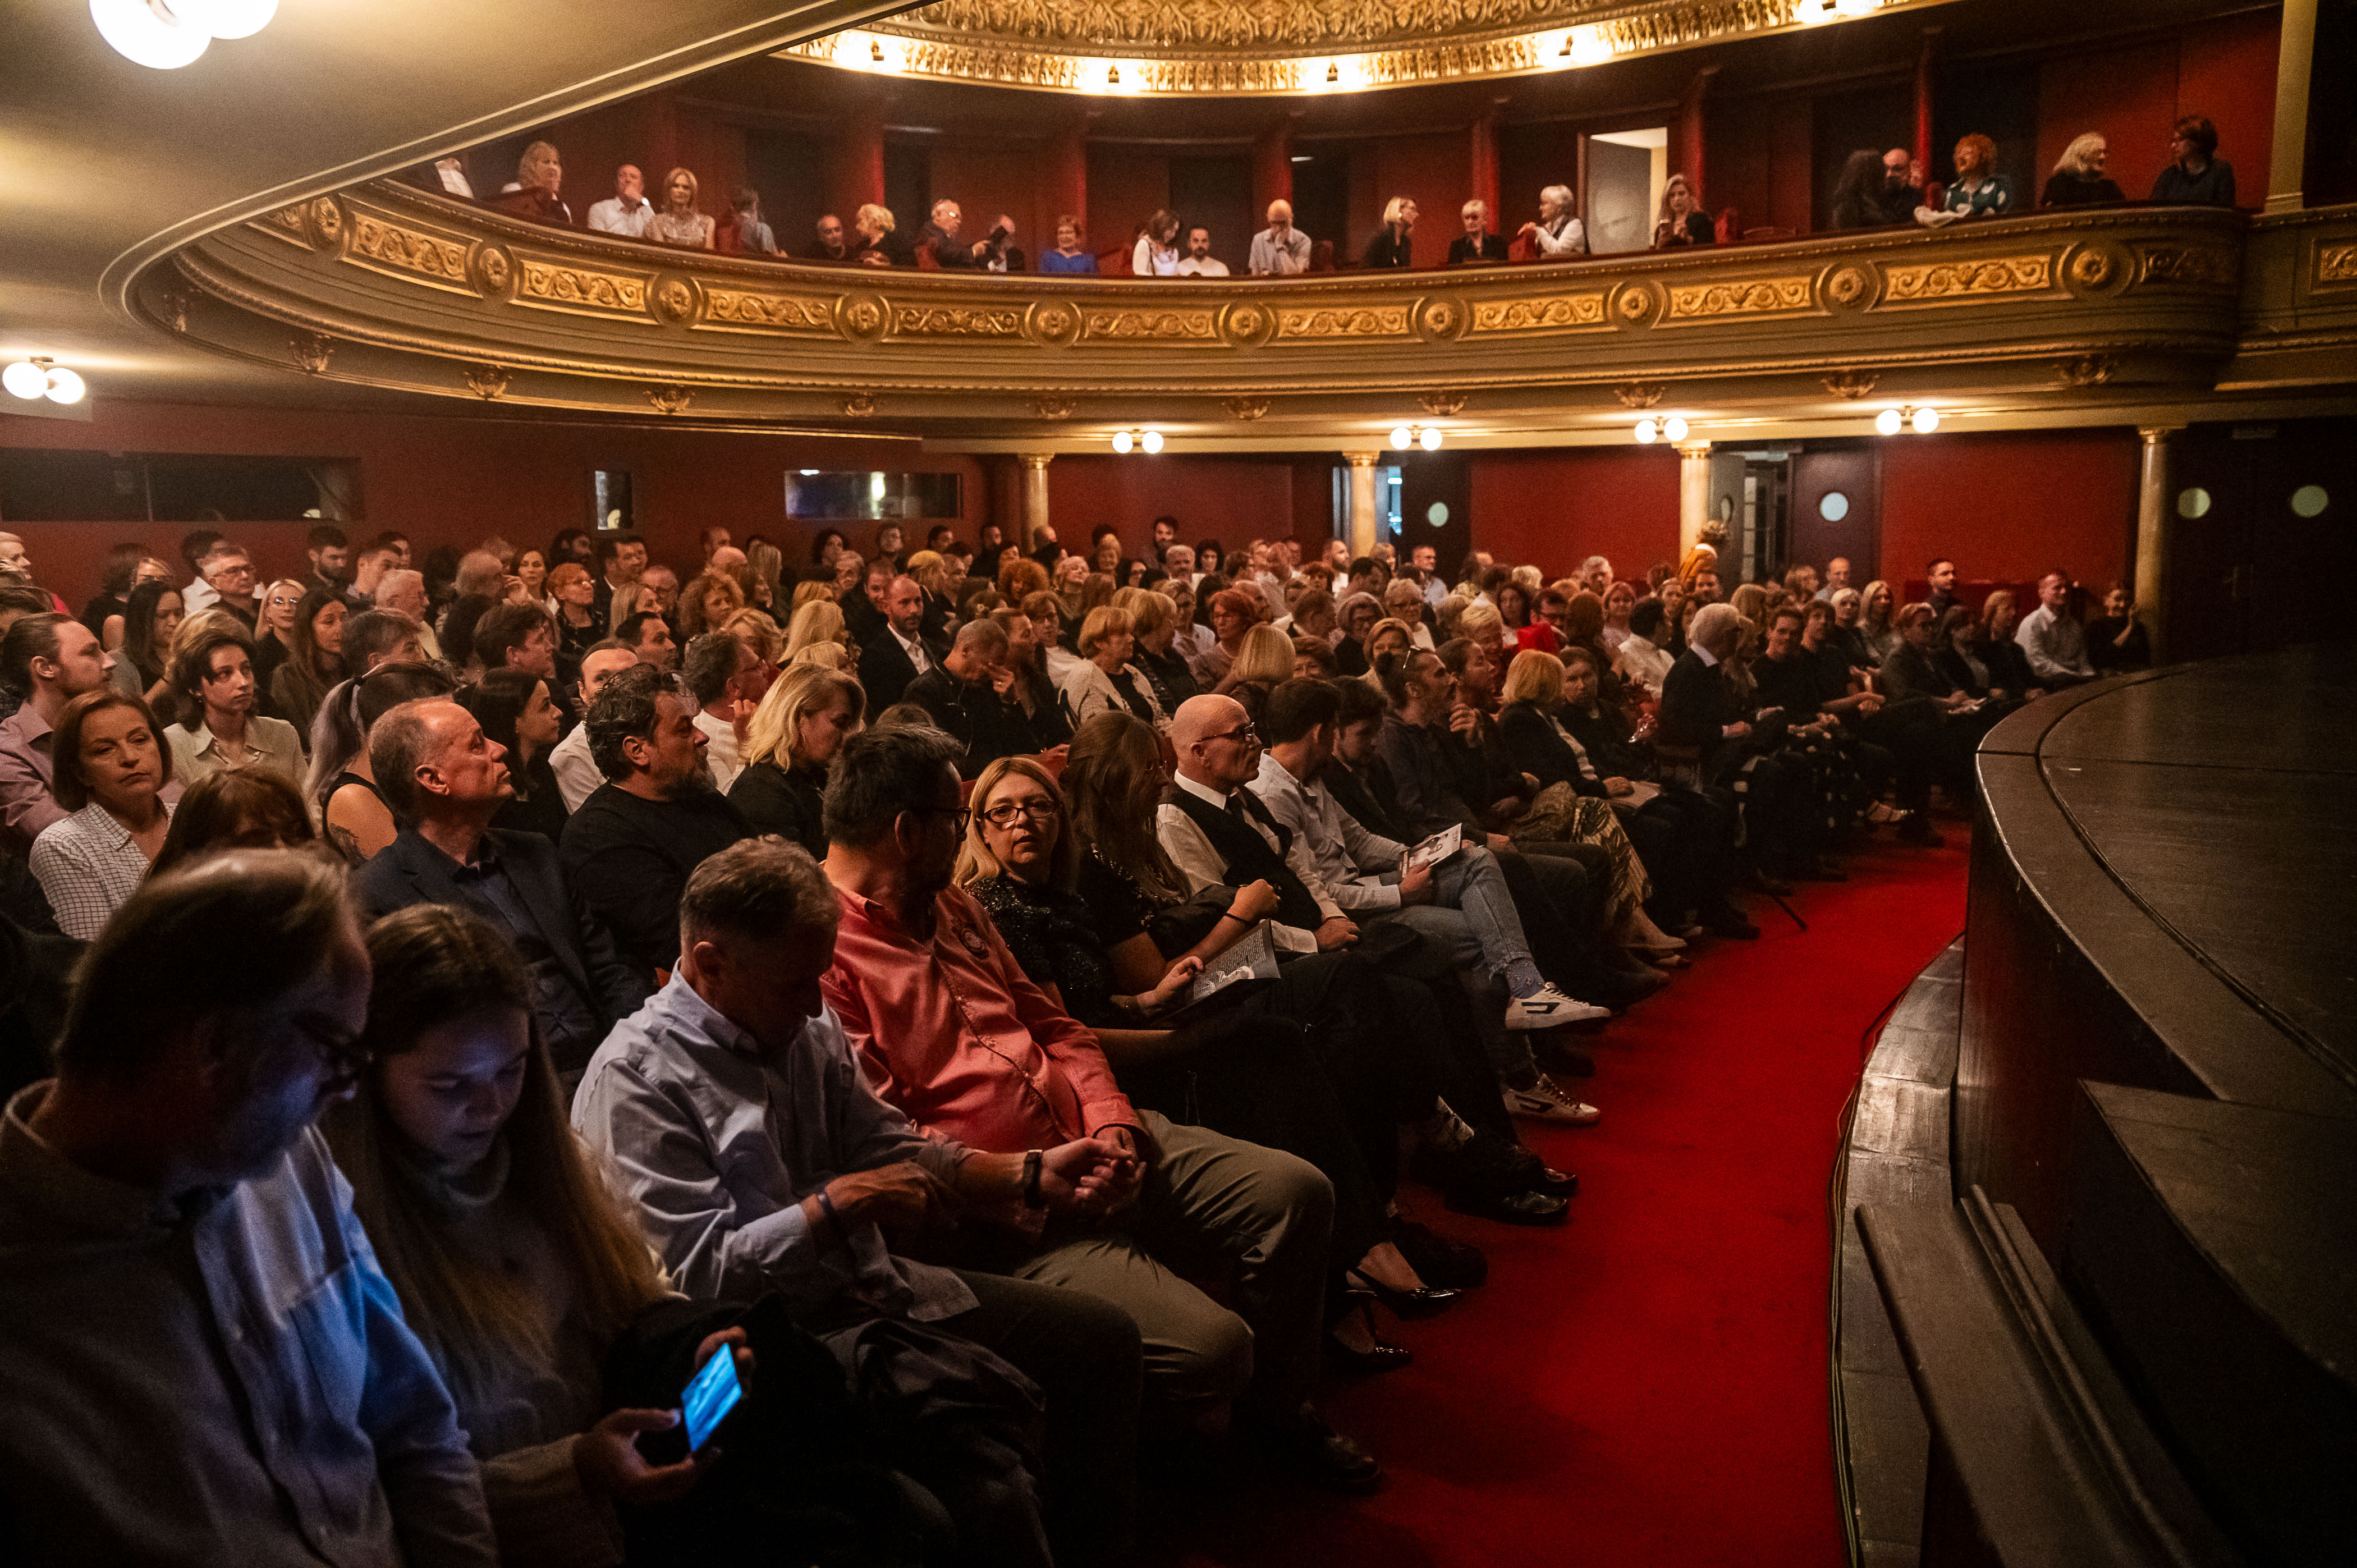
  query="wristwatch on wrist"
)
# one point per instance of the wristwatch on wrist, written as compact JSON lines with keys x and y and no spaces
{"x":1031,"y":1163}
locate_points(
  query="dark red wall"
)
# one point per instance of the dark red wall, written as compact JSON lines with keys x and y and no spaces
{"x":1558,"y":508}
{"x":1228,"y":498}
{"x":2007,"y":508}
{"x":2225,"y":68}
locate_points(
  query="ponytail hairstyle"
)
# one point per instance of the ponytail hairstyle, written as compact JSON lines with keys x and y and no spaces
{"x":1393,"y":671}
{"x":340,"y":733}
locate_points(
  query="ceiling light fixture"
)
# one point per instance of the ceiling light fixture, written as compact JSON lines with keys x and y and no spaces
{"x":1427,"y":437}
{"x":165,"y":34}
{"x":1668,"y":427}
{"x":1649,"y":430}
{"x":1128,"y":441}
{"x":1923,"y":421}
{"x":41,"y":377}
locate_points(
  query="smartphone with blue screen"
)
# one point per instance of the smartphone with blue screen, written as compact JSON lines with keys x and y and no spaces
{"x":711,"y":1395}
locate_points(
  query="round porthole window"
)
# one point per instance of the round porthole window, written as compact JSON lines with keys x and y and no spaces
{"x":1834,"y":507}
{"x":1436,"y":514}
{"x":2193,"y":502}
{"x":2310,"y":500}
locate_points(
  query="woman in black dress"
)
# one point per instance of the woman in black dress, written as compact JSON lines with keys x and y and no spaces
{"x":801,"y":723}
{"x":517,"y":713}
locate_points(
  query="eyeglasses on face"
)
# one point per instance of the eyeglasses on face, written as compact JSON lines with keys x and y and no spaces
{"x":959,"y":816}
{"x":1039,"y":809}
{"x":1244,"y":734}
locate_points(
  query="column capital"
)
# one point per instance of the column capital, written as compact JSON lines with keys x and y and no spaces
{"x":1362,"y":460}
{"x":2159,"y":435}
{"x":1692,"y":449}
{"x":1036,"y":461}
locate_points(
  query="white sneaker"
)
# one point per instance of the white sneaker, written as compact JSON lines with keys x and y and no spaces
{"x":1545,"y":1100}
{"x":1547,"y":1007}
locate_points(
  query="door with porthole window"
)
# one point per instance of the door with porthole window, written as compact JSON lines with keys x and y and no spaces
{"x":2263,"y":536}
{"x":1436,"y":492}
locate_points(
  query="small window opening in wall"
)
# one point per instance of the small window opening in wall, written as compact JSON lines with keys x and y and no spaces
{"x":2310,"y":500}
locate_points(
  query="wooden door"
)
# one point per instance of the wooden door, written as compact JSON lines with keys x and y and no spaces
{"x":1823,"y":527}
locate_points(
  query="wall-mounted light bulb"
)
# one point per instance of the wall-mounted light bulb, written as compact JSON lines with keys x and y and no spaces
{"x":1402,"y":438}
{"x":1430,"y":439}
{"x":25,"y":379}
{"x":1890,"y":421}
{"x":1123,"y":441}
{"x":1647,"y":431}
{"x":1926,"y":421}
{"x":64,"y":386}
{"x":1151,"y":441}
{"x":1674,"y":428}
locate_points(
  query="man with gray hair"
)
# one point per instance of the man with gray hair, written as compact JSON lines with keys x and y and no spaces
{"x":1280,"y":250}
{"x":1700,"y":708}
{"x":224,"y":581}
{"x":726,"y":677}
{"x":1557,"y":233}
{"x":403,"y":591}
{"x":963,"y":694}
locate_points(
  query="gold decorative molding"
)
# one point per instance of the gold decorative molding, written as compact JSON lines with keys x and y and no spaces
{"x":1952,"y":280}
{"x":1541,"y":313}
{"x":2193,"y":266}
{"x":736,"y":309}
{"x":1054,"y":407}
{"x":668,"y":399}
{"x":2336,"y":264}
{"x":586,"y":290}
{"x":1848,"y":285}
{"x":1760,"y":297}
{"x":1158,"y":325}
{"x":859,"y":404}
{"x":1363,"y":321}
{"x":312,"y":352}
{"x":285,"y":223}
{"x":385,"y":247}
{"x":1245,"y":408}
{"x":489,"y":382}
{"x":1443,"y":402}
{"x":956,"y":321}
{"x":1641,"y":394}
{"x":175,"y":302}
{"x":327,"y":219}
{"x":2086,"y":370}
{"x":2092,"y":266}
{"x":1853,"y":384}
{"x":675,"y":300}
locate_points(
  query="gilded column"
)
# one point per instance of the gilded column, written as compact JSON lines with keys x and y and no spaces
{"x":2155,"y":520}
{"x":1693,"y":493}
{"x":1035,"y":492}
{"x":2294,"y":53}
{"x":1362,"y":502}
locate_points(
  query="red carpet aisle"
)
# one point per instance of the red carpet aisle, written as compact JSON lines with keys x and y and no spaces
{"x":1648,"y":1385}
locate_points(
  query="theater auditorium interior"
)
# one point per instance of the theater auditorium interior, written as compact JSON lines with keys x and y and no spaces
{"x":1020,"y":782}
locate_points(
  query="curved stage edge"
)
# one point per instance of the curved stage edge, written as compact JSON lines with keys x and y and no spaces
{"x":2095,"y":1271}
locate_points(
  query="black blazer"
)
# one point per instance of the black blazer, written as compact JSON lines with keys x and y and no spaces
{"x":788,"y":801}
{"x":886,"y":669}
{"x":976,"y":717}
{"x":411,"y":871}
{"x":1461,"y":249}
{"x":1697,"y":704}
{"x":1531,"y":740}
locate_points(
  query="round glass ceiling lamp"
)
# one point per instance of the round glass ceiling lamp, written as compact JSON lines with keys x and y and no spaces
{"x":64,"y":386}
{"x":148,"y":34}
{"x":25,"y":379}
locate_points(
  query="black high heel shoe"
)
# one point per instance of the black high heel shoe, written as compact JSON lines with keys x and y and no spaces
{"x":1385,"y":1357}
{"x":1425,"y":1301}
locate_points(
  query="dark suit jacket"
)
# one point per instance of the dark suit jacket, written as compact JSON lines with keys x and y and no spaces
{"x":631,"y":859}
{"x":411,"y":871}
{"x":1531,"y":740}
{"x":886,"y":669}
{"x":1697,"y":704}
{"x":1461,"y":250}
{"x":976,"y":717}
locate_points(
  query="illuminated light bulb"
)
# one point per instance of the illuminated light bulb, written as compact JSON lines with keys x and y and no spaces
{"x":1856,"y":7}
{"x":1121,"y":441}
{"x":223,"y":18}
{"x":1674,"y":428}
{"x":1888,"y":421}
{"x":1153,"y":441}
{"x":1586,"y":46}
{"x":1402,"y":438}
{"x":1430,"y":439}
{"x":25,"y":379}
{"x":1926,"y":421}
{"x":1647,"y":430}
{"x":64,"y":386}
{"x":146,"y":36}
{"x":1333,"y":72}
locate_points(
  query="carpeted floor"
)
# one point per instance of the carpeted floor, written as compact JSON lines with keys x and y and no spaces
{"x":1648,"y":1385}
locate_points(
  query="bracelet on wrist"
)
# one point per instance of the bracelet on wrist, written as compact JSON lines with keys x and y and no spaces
{"x":826,"y":1206}
{"x":1032,"y":1163}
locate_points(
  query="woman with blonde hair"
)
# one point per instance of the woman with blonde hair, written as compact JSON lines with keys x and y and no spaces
{"x":759,"y":632}
{"x":801,"y":724}
{"x":1155,"y":621}
{"x":677,"y":224}
{"x":1103,"y":680}
{"x":1875,"y":629}
{"x":1386,"y":636}
{"x":1681,"y":220}
{"x":708,"y":600}
{"x":1264,"y":661}
{"x":821,"y":620}
{"x":874,"y":225}
{"x":1487,"y":628}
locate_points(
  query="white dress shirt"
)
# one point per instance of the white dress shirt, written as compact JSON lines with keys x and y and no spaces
{"x":610,"y":217}
{"x":1204,"y":867}
{"x":576,"y":771}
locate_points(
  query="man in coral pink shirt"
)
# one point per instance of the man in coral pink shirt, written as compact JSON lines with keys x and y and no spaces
{"x":951,"y":1033}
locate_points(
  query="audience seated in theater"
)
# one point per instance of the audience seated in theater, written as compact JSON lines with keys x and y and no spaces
{"x":706,"y":603}
{"x":247,"y":809}
{"x":1103,"y":680}
{"x":116,"y":574}
{"x":1874,"y":630}
{"x":1704,"y":712}
{"x":1278,"y":251}
{"x":828,"y":242}
{"x":939,"y":246}
{"x":678,"y":222}
{"x":820,"y":620}
{"x":2051,"y":639}
{"x":214,"y":670}
{"x":1197,"y":261}
{"x":1313,"y":659}
{"x":1860,"y":199}
{"x":520,"y":717}
{"x":2196,"y":175}
{"x":961,"y":697}
{"x":1264,"y":661}
{"x":224,"y":581}
{"x":167,"y":1187}
{"x":142,"y":667}
{"x":2116,"y":639}
{"x":745,"y":234}
{"x":1979,"y":190}
{"x":374,"y":638}
{"x":49,"y":660}
{"x":315,"y":659}
{"x":1844,"y":636}
{"x":621,"y":561}
{"x":2078,"y":179}
{"x":1156,"y":254}
{"x":1478,"y":243}
{"x":150,"y":569}
{"x":1521,"y":621}
{"x":446,"y":782}
{"x":401,"y":591}
{"x":1034,"y":662}
{"x":875,"y":246}
{"x":113,"y":766}
{"x":628,"y":210}
{"x":726,"y":679}
{"x":897,"y":651}
{"x":540,"y":173}
{"x":736,"y":1113}
{"x":510,"y":636}
{"x":575,"y":771}
{"x":649,"y":638}
{"x":1557,"y":236}
{"x":795,"y":733}
{"x":341,"y":783}
{"x":1680,"y":221}
{"x":1071,"y":254}
{"x":628,"y":848}
{"x":1154,"y":620}
{"x":1390,"y":248}
{"x":947,"y":1026}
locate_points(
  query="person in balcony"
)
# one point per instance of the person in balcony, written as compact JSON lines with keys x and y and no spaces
{"x":1477,"y":244}
{"x":2078,"y":179}
{"x":745,"y":234}
{"x":1977,"y":191}
{"x":1155,"y":254}
{"x":1681,"y":221}
{"x":627,"y":211}
{"x":1860,"y":193}
{"x":876,"y":246}
{"x":939,"y":247}
{"x":2196,"y":176}
{"x":679,"y":223}
{"x":1557,"y":234}
{"x":1903,"y":186}
{"x":1280,"y":250}
{"x":1071,"y":256}
{"x":533,"y":193}
{"x":1390,"y":248}
{"x":828,"y":242}
{"x":1198,"y":262}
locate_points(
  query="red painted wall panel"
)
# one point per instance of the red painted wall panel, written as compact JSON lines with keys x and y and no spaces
{"x":1231,"y":500}
{"x":1556,"y":509}
{"x":2129,"y":95}
{"x":1436,"y":173}
{"x":2006,"y":508}
{"x":2228,"y":72}
{"x":1125,"y":184}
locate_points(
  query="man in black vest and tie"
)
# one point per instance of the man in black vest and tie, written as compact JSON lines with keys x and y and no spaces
{"x":899,"y":652}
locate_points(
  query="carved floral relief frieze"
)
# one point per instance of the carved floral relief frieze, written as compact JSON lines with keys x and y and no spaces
{"x":1155,"y":326}
{"x":555,"y":286}
{"x":956,"y":321}
{"x":1345,"y":321}
{"x":2336,"y":264}
{"x":745,"y":309}
{"x":408,"y":252}
{"x":1539,"y":313}
{"x":1962,"y":280}
{"x":2189,"y":266}
{"x":1753,"y":297}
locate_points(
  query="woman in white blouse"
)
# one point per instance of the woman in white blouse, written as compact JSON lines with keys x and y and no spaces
{"x":1155,"y":254}
{"x":112,"y":767}
{"x":1104,"y":681}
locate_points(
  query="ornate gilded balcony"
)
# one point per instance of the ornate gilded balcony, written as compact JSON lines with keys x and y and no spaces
{"x":391,"y":286}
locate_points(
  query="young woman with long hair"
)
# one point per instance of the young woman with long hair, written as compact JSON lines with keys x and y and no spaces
{"x":801,"y":722}
{"x":519,"y":714}
{"x":314,"y":660}
{"x":341,"y":785}
{"x":143,"y":665}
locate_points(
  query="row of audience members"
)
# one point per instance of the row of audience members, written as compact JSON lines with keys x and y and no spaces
{"x":1874,"y":189}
